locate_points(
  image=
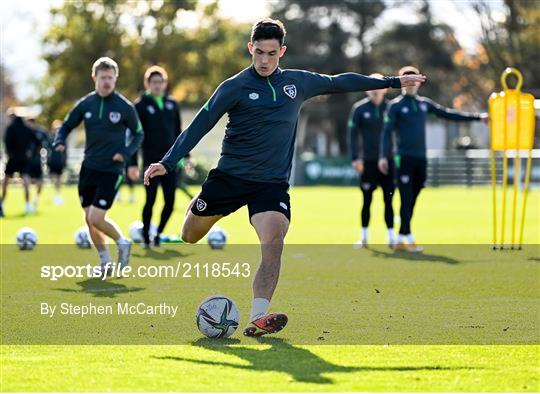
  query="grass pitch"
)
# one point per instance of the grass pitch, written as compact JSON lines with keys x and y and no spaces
{"x":290,"y":362}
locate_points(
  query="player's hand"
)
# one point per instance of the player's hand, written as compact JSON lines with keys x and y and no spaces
{"x":484,"y":117}
{"x":133,"y":173}
{"x":412,"y":80}
{"x":155,"y":169}
{"x":118,"y":157}
{"x":383,"y":166}
{"x":60,"y":148}
{"x":358,"y":166}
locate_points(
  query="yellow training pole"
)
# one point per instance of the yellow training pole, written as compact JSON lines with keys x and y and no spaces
{"x":525,"y":194}
{"x":505,"y":171}
{"x":494,"y":187}
{"x":517,"y":145}
{"x":516,"y":173}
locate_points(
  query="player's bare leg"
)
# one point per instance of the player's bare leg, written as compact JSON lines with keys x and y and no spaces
{"x":96,"y":217}
{"x":4,"y":192}
{"x":26,"y":186}
{"x":271,"y":228}
{"x":195,"y":227}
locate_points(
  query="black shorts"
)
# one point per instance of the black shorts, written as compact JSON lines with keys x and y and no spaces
{"x":223,"y":194}
{"x":412,"y":170}
{"x":16,"y":164}
{"x":98,"y":188}
{"x":56,"y":166}
{"x":371,"y":176}
{"x":34,"y":168}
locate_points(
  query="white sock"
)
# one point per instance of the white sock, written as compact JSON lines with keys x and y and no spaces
{"x":401,"y":238}
{"x":391,"y":236}
{"x":104,"y":256}
{"x":410,"y":238}
{"x":259,"y":308}
{"x":364,"y":233}
{"x":123,"y":241}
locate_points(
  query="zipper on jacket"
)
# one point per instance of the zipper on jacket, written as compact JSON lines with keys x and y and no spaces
{"x":101,"y":108}
{"x":271,"y":87}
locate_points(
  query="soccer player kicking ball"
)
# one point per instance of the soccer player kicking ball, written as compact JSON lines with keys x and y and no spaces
{"x":406,"y":115}
{"x":263,"y":104}
{"x":106,"y":115}
{"x":367,"y":119}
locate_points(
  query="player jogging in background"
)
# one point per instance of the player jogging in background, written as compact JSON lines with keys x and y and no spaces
{"x":366,"y":119}
{"x":263,"y":103}
{"x":406,"y":116}
{"x":106,"y":115}
{"x":35,"y":167}
{"x":160,"y":117}
{"x":56,"y":163}
{"x":18,"y":140}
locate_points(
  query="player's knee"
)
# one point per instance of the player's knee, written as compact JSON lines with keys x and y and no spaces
{"x":274,"y":238}
{"x":189,"y":236}
{"x":94,"y":220}
{"x":169,"y":204}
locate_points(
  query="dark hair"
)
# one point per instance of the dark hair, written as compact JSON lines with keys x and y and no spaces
{"x":268,"y":29}
{"x":153,"y":71}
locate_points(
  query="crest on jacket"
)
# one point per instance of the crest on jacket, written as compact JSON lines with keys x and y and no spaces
{"x":114,"y":117}
{"x":290,"y":90}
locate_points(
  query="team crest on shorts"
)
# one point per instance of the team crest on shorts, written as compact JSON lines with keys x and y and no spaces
{"x":114,"y":117}
{"x":290,"y":90}
{"x":201,"y":205}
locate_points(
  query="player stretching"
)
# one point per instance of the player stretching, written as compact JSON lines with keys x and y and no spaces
{"x":407,"y":115}
{"x":263,"y":104}
{"x":106,"y":115}
{"x":367,"y":118}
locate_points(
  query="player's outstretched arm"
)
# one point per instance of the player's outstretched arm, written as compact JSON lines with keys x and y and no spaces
{"x":223,"y":99}
{"x":452,"y":114}
{"x":317,"y":84}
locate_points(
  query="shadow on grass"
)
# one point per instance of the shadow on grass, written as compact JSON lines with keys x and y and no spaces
{"x":161,"y":253}
{"x":301,"y":364}
{"x":434,"y":258}
{"x":102,"y":288}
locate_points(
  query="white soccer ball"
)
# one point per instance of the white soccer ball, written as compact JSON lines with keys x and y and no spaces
{"x":82,"y":238}
{"x":217,"y":238}
{"x":26,"y":238}
{"x":136,"y":229}
{"x":217,"y":317}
